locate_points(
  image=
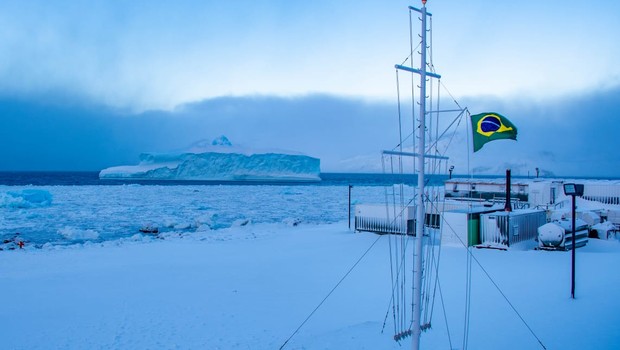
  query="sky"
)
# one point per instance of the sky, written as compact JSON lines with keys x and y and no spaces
{"x":87,"y":85}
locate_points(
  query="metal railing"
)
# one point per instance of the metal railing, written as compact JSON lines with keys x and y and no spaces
{"x":384,"y":219}
{"x":380,"y":225}
{"x":547,"y":207}
{"x":606,"y":194}
{"x":515,"y":203}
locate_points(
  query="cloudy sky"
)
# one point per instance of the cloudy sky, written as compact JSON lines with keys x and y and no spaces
{"x":90,"y":84}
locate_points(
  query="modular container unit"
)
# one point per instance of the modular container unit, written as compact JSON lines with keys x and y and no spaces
{"x":487,"y":189}
{"x":463,"y":225}
{"x":381,"y":218}
{"x":501,"y":229}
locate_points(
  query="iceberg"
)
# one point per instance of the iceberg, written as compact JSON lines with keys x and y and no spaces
{"x":219,"y":160}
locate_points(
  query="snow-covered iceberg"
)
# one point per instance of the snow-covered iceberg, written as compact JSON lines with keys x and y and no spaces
{"x":219,"y":161}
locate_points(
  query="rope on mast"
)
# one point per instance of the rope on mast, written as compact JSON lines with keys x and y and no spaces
{"x":331,"y":291}
{"x":501,"y":292}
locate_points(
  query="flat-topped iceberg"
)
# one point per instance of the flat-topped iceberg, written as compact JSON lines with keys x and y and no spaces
{"x":219,"y":161}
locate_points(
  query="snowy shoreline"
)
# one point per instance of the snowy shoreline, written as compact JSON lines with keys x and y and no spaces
{"x":76,"y":214}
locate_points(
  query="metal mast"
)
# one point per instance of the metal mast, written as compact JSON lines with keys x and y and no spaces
{"x":419,"y":225}
{"x":420,"y":207}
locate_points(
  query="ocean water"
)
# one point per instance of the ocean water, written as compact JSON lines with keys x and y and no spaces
{"x":61,"y":208}
{"x":64,"y":208}
{"x":91,"y":178}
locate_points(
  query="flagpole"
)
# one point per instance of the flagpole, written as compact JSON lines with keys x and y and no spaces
{"x":419,"y":225}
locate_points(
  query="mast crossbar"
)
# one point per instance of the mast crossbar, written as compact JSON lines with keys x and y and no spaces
{"x":410,"y":154}
{"x":417,"y":71}
{"x":445,"y":111}
{"x":418,"y":10}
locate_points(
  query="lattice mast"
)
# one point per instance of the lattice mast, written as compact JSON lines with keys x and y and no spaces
{"x":420,"y":211}
{"x":421,"y":155}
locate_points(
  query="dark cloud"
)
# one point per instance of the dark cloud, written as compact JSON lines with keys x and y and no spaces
{"x":568,"y":136}
{"x":44,"y":136}
{"x":572,"y":135}
{"x":324,"y":126}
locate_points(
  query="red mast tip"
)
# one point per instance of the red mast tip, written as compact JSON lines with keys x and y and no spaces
{"x":423,"y":2}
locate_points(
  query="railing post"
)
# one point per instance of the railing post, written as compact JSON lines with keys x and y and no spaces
{"x":509,"y":233}
{"x":350,"y":207}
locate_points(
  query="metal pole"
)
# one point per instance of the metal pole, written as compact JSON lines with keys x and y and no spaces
{"x":419,"y":225}
{"x":572,"y":286}
{"x":350,"y":207}
{"x":508,"y":206}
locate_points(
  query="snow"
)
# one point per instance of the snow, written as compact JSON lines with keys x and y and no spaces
{"x":219,"y":160}
{"x":249,"y":284}
{"x":249,"y":287}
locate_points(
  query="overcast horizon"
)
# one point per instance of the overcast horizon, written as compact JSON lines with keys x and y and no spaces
{"x":88,"y":86}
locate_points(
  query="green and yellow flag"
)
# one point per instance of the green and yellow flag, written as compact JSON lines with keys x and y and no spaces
{"x":491,"y":126}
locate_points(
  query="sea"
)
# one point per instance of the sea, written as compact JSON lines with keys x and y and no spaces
{"x":46,"y":209}
{"x":91,"y":178}
{"x":68,"y":208}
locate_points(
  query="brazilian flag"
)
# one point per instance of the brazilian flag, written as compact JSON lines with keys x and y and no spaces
{"x":491,"y":126}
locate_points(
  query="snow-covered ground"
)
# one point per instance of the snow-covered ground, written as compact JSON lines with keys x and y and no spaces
{"x":250,"y":286}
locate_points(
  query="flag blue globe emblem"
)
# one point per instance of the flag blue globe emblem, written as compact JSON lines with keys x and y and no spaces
{"x":491,"y":124}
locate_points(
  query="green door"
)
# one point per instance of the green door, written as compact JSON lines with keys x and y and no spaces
{"x":473,"y":229}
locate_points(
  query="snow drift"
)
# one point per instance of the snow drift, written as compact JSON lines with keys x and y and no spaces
{"x":219,"y":161}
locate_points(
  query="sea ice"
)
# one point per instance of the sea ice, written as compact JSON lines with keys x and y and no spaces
{"x":26,"y":198}
{"x":74,"y":234}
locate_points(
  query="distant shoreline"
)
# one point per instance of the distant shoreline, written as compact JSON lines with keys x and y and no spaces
{"x":91,"y":178}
